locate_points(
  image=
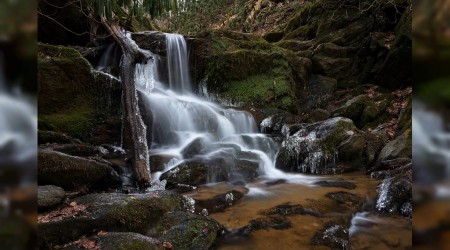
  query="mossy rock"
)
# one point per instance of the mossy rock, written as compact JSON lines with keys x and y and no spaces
{"x":188,"y":231}
{"x":246,"y":69}
{"x":366,"y":111}
{"x":70,"y":172}
{"x":75,"y":100}
{"x":400,"y":147}
{"x":112,"y":212}
{"x":119,"y":241}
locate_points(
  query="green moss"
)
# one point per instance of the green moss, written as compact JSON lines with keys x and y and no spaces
{"x":77,"y":122}
{"x":260,"y":90}
{"x":138,"y":245}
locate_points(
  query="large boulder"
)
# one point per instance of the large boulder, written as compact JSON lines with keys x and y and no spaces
{"x":76,"y":100}
{"x":110,"y":212}
{"x":49,"y":196}
{"x":400,"y":147}
{"x":70,"y":172}
{"x":366,"y":111}
{"x":313,"y":149}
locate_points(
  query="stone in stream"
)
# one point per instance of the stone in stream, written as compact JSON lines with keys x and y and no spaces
{"x":159,"y":161}
{"x":395,"y":195}
{"x":345,"y":198}
{"x":219,"y":202}
{"x":82,"y":150}
{"x":334,"y":235}
{"x":313,"y":149}
{"x":338,"y":183}
{"x":200,"y":171}
{"x":49,"y":196}
{"x":111,"y":212}
{"x":70,"y":172}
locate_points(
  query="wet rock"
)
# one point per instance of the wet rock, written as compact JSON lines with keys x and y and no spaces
{"x":159,"y":162}
{"x":393,"y":194}
{"x":117,"y":241}
{"x":196,"y":147}
{"x":401,"y":147}
{"x":290,"y":129}
{"x":312,"y":149}
{"x":219,"y":202}
{"x":112,"y":212}
{"x":333,"y":235}
{"x":275,"y":182}
{"x":70,"y":172}
{"x":246,"y":169}
{"x":285,"y":209}
{"x":273,"y":124}
{"x":274,"y":221}
{"x":195,"y":173}
{"x":345,"y":198}
{"x":49,"y":196}
{"x":339,"y":184}
{"x":188,"y":231}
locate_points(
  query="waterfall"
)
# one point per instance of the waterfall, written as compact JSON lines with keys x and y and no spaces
{"x":177,"y":64}
{"x":184,"y":121}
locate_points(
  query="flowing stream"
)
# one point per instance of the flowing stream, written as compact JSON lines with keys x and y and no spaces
{"x":182,"y":121}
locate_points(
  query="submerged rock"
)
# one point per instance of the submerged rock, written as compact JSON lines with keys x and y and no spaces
{"x":313,"y":148}
{"x":219,"y":202}
{"x":49,"y":196}
{"x":345,"y":198}
{"x":333,"y":235}
{"x":70,"y":172}
{"x":340,"y":184}
{"x":195,"y":173}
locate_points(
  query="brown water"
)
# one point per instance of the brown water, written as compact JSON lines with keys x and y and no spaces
{"x":366,"y":234}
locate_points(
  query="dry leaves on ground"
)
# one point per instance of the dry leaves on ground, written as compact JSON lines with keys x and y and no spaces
{"x":72,"y":210}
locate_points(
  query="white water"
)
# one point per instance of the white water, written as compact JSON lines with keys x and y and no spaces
{"x":180,"y":118}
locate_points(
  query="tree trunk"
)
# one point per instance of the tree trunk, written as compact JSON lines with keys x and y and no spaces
{"x":135,"y":130}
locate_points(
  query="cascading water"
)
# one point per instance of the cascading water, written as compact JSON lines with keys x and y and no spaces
{"x":182,"y":120}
